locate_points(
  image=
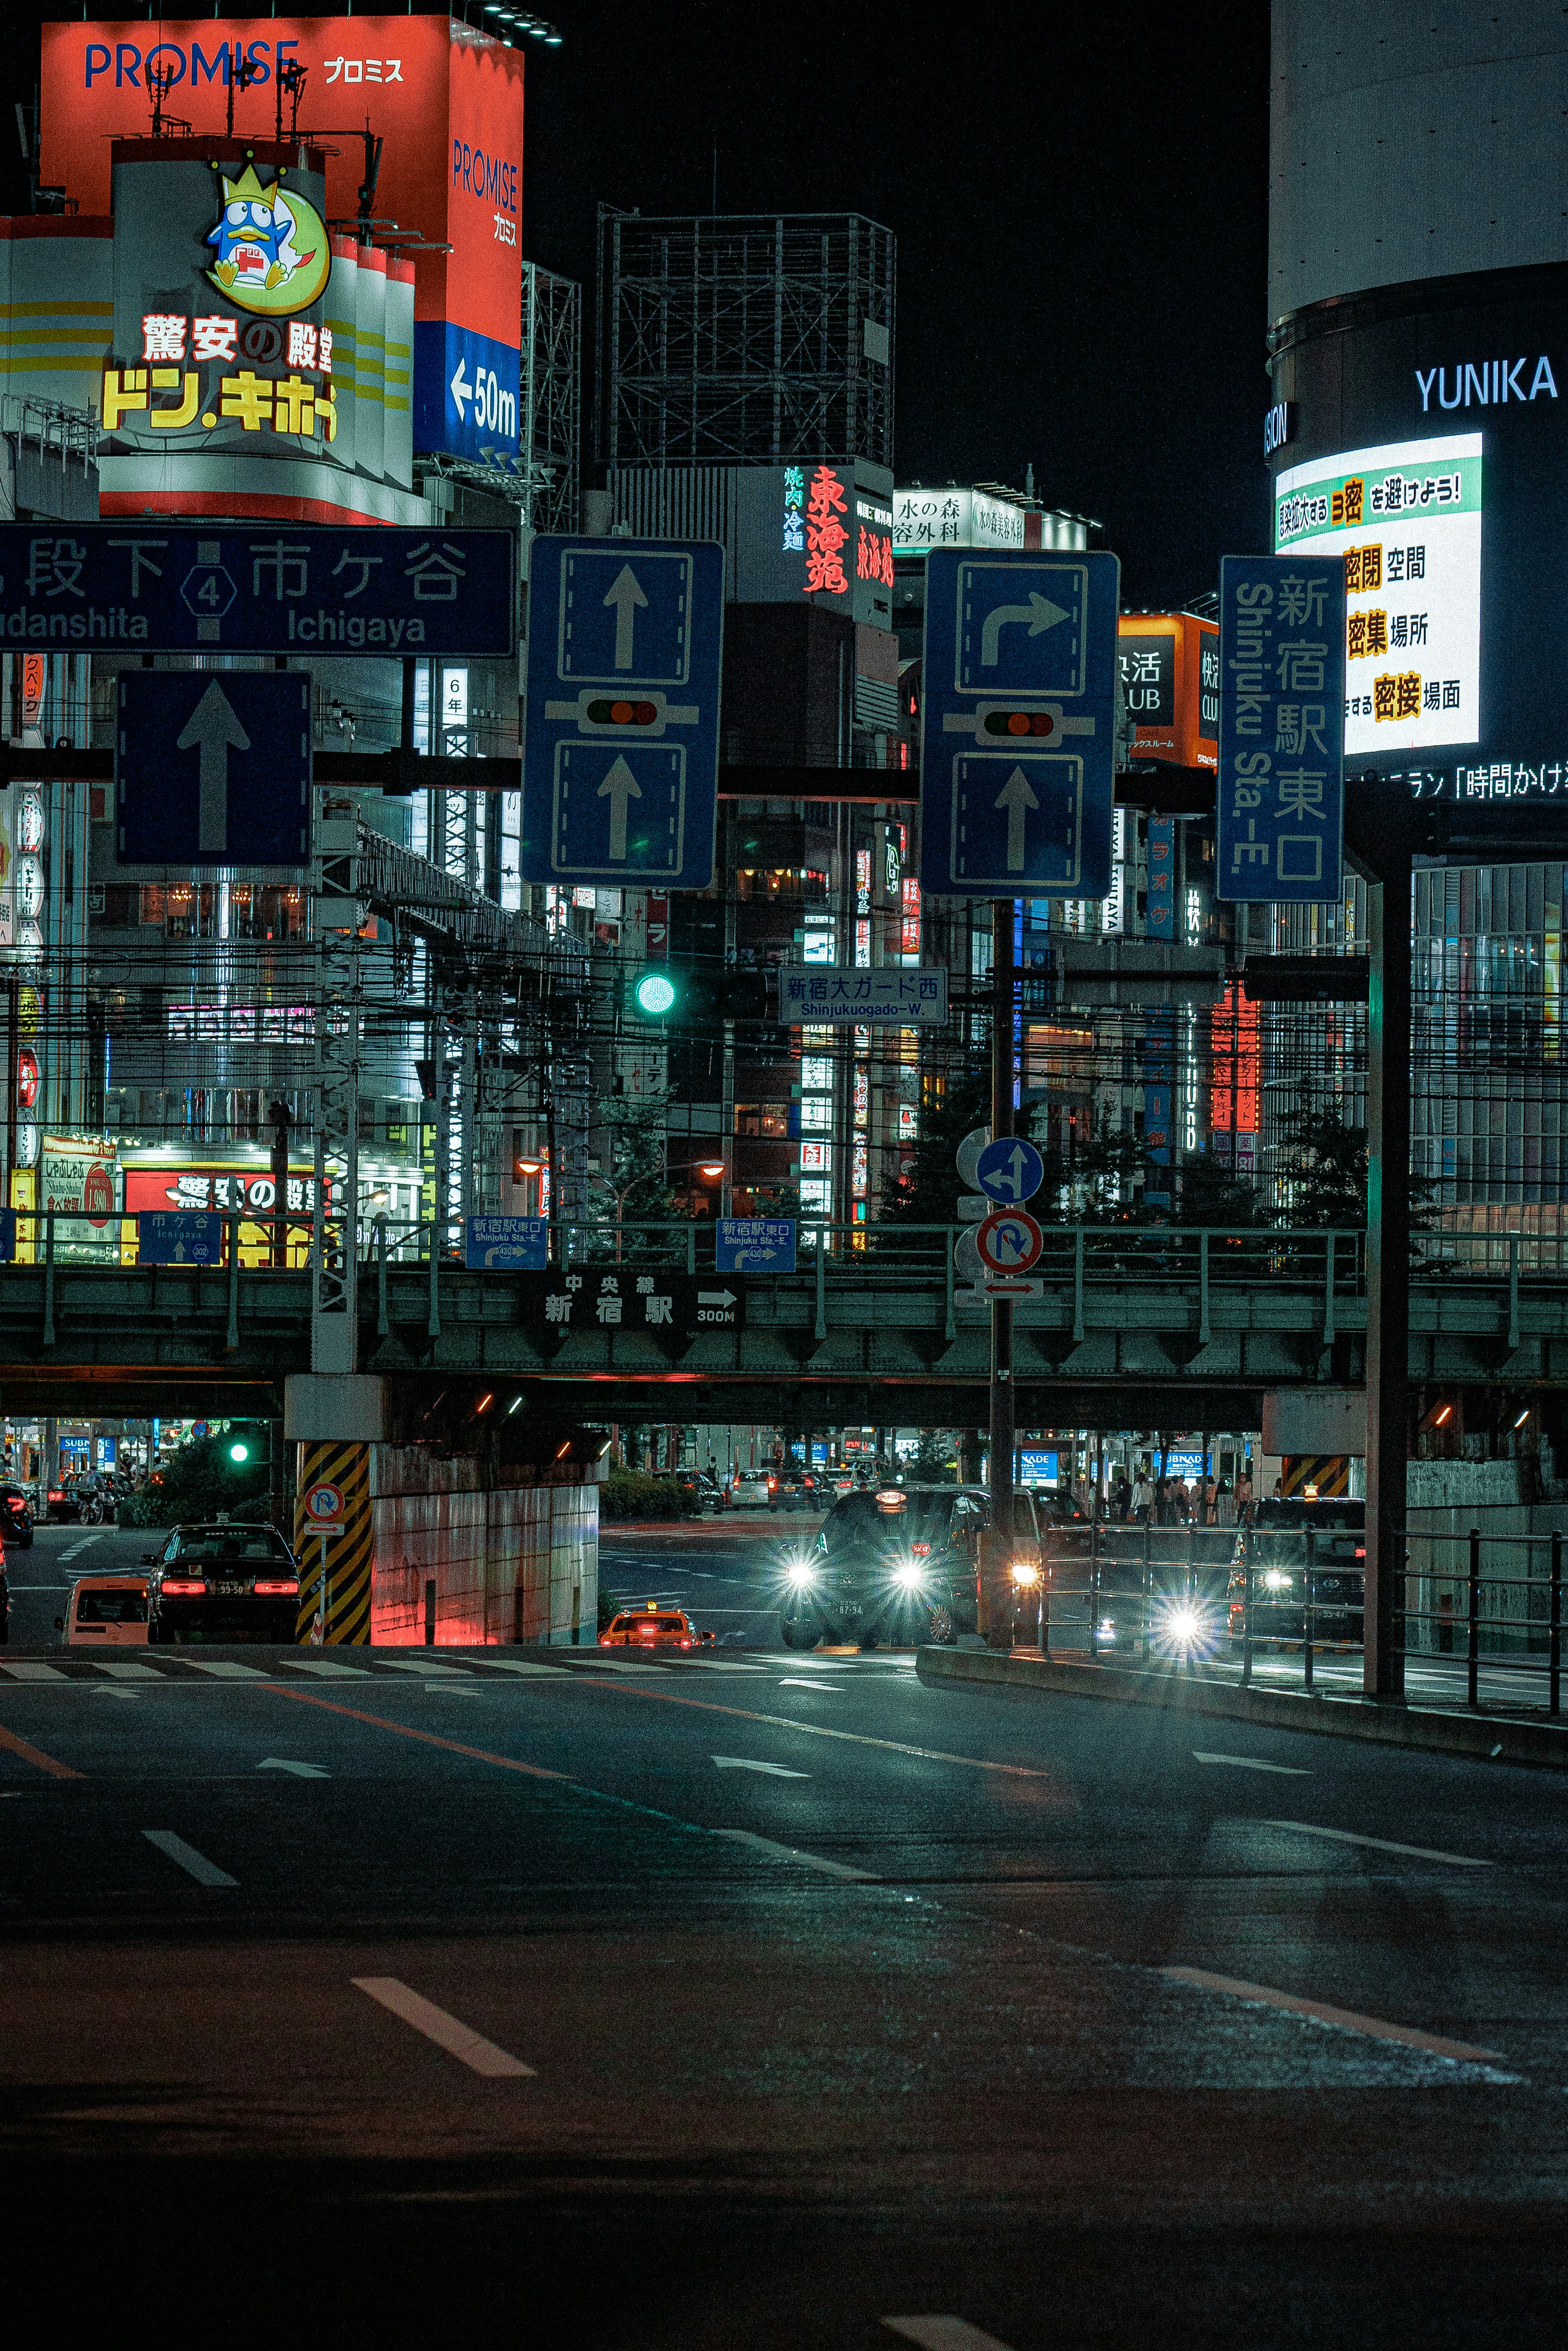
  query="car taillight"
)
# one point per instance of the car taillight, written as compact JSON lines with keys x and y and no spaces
{"x":183,"y":1584}
{"x":922,"y":1551}
{"x":282,"y":1583}
{"x":1360,"y":1552}
{"x":686,"y":1644}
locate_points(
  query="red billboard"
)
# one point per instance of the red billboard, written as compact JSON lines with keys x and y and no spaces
{"x":445,"y":100}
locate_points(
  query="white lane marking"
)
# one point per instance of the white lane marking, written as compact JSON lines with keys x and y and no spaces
{"x":35,"y":1673}
{"x":519,"y":1665}
{"x":1251,"y":1763}
{"x":111,"y":1689}
{"x":746,"y":1763}
{"x":448,"y":2032}
{"x":221,"y":1669}
{"x":63,"y":1555}
{"x":1375,"y":2028}
{"x":120,"y":1670}
{"x":1379,"y":1845}
{"x":206,"y":1872}
{"x":300,"y":1771}
{"x":327,"y":1668}
{"x":798,"y":1681}
{"x":720,"y":1664}
{"x":420,"y":1664}
{"x":793,"y":1853}
{"x":940,"y":2333}
{"x":449,"y":1689}
{"x":611,"y":1666}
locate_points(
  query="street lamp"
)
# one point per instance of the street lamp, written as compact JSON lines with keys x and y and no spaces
{"x":711,"y":1170}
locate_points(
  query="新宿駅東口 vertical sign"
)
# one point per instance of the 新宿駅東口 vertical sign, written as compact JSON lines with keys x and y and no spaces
{"x":1281,"y":727}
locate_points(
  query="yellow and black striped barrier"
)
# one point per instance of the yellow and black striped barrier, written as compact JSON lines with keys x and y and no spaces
{"x":334,"y":1554}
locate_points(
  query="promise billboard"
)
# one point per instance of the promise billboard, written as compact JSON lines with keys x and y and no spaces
{"x":447,"y":102}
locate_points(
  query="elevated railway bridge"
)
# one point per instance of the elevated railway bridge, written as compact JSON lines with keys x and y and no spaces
{"x":1134,"y":1327}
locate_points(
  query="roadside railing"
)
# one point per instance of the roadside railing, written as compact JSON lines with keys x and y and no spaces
{"x":1480,"y":1619}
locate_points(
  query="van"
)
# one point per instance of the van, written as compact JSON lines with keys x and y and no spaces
{"x":105,"y":1612}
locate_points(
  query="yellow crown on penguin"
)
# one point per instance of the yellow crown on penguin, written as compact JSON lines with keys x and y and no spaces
{"x":248,"y":189}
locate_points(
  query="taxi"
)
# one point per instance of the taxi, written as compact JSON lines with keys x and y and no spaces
{"x":105,"y":1612}
{"x":652,"y":1627}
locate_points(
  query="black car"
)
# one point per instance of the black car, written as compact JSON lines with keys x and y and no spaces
{"x":15,"y":1517}
{"x":699,"y":1490}
{"x":1287,"y":1571}
{"x":223,"y":1581}
{"x":900,"y":1563}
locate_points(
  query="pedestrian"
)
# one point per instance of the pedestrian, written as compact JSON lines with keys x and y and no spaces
{"x":1121,"y":1499}
{"x":1244,"y":1499}
{"x":1211,"y":1503}
{"x":1142,"y":1498}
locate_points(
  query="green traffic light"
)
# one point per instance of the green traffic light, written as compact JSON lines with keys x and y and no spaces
{"x":239,"y":1451}
{"x":655,"y":994}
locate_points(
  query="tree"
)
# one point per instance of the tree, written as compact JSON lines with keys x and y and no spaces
{"x":1324,"y":1165}
{"x":927,"y":1194}
{"x":198,"y":1481}
{"x":1211,"y":1194}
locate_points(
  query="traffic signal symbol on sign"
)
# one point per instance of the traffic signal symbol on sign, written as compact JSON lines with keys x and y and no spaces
{"x":1009,"y":1242}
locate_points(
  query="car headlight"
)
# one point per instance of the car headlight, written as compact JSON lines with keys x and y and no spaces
{"x":1183,"y":1623}
{"x":800,"y":1571}
{"x":1024,"y":1572}
{"x":1276,"y":1580}
{"x":908,"y":1578}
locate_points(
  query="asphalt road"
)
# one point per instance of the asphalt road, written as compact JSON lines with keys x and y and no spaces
{"x":753,"y":1997}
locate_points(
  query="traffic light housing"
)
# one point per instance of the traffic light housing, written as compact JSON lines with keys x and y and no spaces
{"x":247,"y":1444}
{"x":691,"y":997}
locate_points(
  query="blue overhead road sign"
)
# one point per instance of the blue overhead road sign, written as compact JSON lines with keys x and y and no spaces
{"x":151,"y":585}
{"x":620,"y":763}
{"x":1019,"y":724}
{"x":212,"y":769}
{"x":179,"y":1236}
{"x":1281,"y":830}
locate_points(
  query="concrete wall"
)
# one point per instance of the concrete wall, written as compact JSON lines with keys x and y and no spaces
{"x":516,"y":1562}
{"x":1420,"y":138}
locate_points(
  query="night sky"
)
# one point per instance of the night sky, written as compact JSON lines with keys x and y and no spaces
{"x":1079,"y":196}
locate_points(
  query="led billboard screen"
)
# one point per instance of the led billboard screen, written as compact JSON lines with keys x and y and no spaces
{"x":445,"y":100}
{"x":1428,"y":447}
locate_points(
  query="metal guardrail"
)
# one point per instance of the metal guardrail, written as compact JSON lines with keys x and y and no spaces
{"x":1226,"y":1601}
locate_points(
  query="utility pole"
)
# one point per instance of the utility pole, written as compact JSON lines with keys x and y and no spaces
{"x":996,"y":1572}
{"x":1387,"y":1256}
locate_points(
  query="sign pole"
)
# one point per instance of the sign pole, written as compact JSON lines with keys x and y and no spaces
{"x":996,"y":1582}
{"x":1387,"y":1263}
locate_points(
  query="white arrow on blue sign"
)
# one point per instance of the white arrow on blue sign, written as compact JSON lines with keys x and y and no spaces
{"x":1010,"y":1170}
{"x":213,"y":771}
{"x":620,"y":761}
{"x":1019,"y":724}
{"x":755,"y":1245}
{"x":509,"y":1243}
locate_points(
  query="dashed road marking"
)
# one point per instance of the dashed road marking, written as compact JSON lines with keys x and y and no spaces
{"x":1379,"y":1845}
{"x":449,"y":2033}
{"x":792,"y":1852}
{"x":206,"y":1872}
{"x":1251,"y":1763}
{"x":1375,"y":2028}
{"x":944,"y":2333}
{"x":749,"y":1763}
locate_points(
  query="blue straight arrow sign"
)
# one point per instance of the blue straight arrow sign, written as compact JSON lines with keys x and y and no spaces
{"x":620,"y":761}
{"x":213,"y":771}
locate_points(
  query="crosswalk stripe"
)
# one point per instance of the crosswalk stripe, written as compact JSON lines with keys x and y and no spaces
{"x":29,"y":1673}
{"x":120,"y":1670}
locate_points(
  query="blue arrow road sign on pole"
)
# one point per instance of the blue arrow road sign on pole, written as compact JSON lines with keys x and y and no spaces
{"x":213,"y":769}
{"x":1019,"y":724}
{"x":620,"y":761}
{"x":1010,"y":1170}
{"x":755,"y":1245}
{"x":1281,"y":831}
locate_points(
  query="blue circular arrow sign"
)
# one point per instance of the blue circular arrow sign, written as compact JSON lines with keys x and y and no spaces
{"x":1010,"y":1170}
